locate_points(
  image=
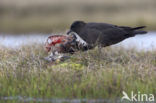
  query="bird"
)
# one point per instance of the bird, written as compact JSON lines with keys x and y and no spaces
{"x":103,"y":34}
{"x":59,"y":45}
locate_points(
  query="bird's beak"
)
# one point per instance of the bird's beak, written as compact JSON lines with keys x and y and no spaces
{"x":69,"y":32}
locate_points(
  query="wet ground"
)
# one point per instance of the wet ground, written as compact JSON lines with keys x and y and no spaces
{"x":140,"y":42}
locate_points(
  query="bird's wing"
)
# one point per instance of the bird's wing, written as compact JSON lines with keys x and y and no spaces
{"x":114,"y":32}
{"x":112,"y":36}
{"x":90,"y":35}
{"x":104,"y":36}
{"x":106,"y":29}
{"x":100,"y":26}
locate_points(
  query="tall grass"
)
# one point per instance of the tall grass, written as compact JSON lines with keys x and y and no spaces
{"x":24,"y":72}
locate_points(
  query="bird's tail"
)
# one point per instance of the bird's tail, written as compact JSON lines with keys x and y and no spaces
{"x":137,"y":31}
{"x":140,"y":27}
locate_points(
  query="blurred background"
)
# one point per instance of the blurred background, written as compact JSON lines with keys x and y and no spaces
{"x":47,"y":16}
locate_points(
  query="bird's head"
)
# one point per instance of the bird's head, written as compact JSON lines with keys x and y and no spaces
{"x":76,"y":27}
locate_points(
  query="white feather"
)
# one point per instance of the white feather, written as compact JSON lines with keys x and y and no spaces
{"x":79,"y":39}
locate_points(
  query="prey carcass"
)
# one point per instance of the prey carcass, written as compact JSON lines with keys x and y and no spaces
{"x":59,"y":45}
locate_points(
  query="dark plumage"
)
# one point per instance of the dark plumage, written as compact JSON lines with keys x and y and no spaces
{"x":103,"y":34}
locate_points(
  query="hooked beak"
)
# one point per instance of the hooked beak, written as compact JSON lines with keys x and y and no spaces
{"x":69,"y":32}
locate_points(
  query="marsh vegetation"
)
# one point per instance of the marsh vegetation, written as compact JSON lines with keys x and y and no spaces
{"x":25,"y":73}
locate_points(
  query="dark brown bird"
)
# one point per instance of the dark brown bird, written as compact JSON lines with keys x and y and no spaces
{"x":103,"y":34}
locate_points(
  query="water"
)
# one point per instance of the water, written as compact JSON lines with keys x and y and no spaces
{"x":140,"y":42}
{"x":15,"y":41}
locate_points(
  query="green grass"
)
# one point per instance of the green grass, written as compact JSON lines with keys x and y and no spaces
{"x":24,"y":72}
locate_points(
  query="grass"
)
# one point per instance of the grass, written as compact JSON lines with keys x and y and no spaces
{"x":24,"y":72}
{"x":18,"y":16}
